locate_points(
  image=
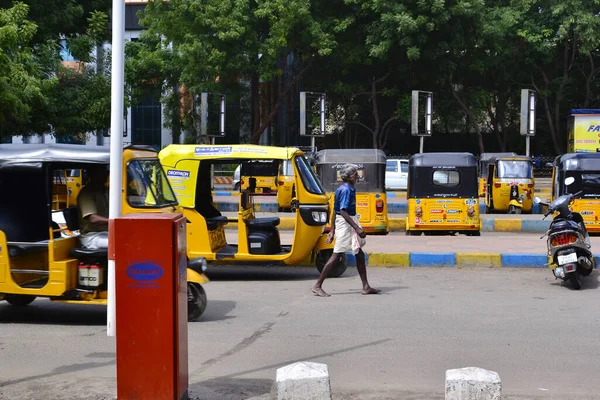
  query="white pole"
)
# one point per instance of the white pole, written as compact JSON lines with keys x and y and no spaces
{"x":527,"y":145}
{"x":421,"y":140}
{"x":116,"y":143}
{"x":312,"y":143}
{"x":212,"y":168}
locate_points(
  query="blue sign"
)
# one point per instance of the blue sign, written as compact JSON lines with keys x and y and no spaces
{"x":212,"y":151}
{"x":145,"y":274}
{"x":173,"y":173}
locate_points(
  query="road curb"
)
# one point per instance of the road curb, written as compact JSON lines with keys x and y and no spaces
{"x":453,"y":260}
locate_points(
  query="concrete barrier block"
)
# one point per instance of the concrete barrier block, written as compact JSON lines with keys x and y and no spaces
{"x":303,"y":381}
{"x":472,"y":383}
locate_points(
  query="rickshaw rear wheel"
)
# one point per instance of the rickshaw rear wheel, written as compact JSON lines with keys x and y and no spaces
{"x":337,"y":270}
{"x":19,"y":300}
{"x":196,"y":301}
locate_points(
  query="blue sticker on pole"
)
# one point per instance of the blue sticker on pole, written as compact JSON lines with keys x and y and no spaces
{"x":145,"y":274}
{"x":212,"y":151}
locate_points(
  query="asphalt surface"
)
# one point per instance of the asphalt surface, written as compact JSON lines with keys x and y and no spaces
{"x":538,"y":334}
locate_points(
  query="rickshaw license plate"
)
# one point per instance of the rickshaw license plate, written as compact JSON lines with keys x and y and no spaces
{"x":566,"y":259}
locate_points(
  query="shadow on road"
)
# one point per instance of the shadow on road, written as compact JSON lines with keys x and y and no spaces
{"x":266,"y":273}
{"x":217,"y":310}
{"x":42,"y":311}
{"x":232,"y":389}
{"x":591,"y":281}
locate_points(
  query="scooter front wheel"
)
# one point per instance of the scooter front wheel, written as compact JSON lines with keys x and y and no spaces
{"x":196,"y":301}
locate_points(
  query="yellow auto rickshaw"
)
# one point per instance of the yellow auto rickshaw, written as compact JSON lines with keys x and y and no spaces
{"x":585,"y":169}
{"x":371,"y":198}
{"x":484,"y":160}
{"x":258,"y":239}
{"x":286,"y":182}
{"x":442,"y":194}
{"x":259,"y":176}
{"x":37,"y":258}
{"x":510,"y":185}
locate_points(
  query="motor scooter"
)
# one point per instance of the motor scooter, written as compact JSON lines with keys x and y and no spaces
{"x":569,"y":249}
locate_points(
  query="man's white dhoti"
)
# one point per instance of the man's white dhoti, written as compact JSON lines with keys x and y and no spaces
{"x":346,"y":238}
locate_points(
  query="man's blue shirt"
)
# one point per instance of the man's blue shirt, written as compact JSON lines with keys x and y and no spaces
{"x":345,"y":198}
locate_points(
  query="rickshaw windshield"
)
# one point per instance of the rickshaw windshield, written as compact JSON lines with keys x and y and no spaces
{"x":589,"y":182}
{"x":371,"y":177}
{"x":515,"y":169}
{"x":147,"y":185}
{"x":309,"y":180}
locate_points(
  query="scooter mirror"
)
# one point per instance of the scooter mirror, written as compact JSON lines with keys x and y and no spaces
{"x":569,"y":180}
{"x":537,"y":200}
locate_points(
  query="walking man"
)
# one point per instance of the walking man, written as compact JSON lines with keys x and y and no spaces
{"x":343,"y":227}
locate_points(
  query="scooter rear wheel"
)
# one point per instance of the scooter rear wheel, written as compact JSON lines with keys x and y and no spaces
{"x":575,"y":280}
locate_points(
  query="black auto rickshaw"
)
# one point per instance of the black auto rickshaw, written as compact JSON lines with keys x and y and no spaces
{"x":442,"y":194}
{"x":371,"y":200}
{"x":585,"y":169}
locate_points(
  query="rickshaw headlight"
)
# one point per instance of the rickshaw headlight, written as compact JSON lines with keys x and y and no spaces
{"x":319,"y":216}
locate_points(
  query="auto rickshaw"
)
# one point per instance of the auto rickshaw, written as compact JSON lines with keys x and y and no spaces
{"x":371,"y":198}
{"x":37,"y":259}
{"x":510,"y":185}
{"x":286,"y":190}
{"x":585,"y":169}
{"x":484,"y":160}
{"x":259,"y":176}
{"x":258,"y":240}
{"x":442,"y":194}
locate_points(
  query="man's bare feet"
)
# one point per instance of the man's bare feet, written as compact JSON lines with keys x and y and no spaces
{"x":370,"y":290}
{"x":319,"y":292}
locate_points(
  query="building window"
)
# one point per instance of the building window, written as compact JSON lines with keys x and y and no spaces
{"x":65,"y":54}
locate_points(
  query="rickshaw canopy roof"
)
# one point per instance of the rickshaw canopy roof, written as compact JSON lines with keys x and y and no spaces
{"x":339,"y":156}
{"x":492,"y":160}
{"x":440,"y":159}
{"x":20,"y":154}
{"x":173,"y":153}
{"x":578,"y":162}
{"x":487,"y":156}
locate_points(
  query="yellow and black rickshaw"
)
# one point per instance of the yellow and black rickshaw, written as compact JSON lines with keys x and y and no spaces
{"x":484,"y":160}
{"x":510,"y":185}
{"x":585,"y":169}
{"x":371,"y":198}
{"x":442,"y":194}
{"x":259,"y":176}
{"x":37,"y":259}
{"x":258,"y":238}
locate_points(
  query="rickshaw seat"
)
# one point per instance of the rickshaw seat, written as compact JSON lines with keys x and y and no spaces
{"x":216,"y":222}
{"x":16,"y":249}
{"x":263,"y":223}
{"x":83,"y":253}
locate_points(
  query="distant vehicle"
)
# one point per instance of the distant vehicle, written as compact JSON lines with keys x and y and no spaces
{"x":236,"y":178}
{"x":396,"y":174}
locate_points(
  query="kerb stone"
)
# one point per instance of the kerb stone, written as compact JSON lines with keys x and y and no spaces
{"x":303,"y":381}
{"x":472,"y":383}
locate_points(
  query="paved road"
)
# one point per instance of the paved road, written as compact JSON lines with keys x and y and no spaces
{"x":540,"y":336}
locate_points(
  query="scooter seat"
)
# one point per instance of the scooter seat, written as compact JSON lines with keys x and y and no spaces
{"x":83,"y":253}
{"x":215,"y":222}
{"x":263,"y":223}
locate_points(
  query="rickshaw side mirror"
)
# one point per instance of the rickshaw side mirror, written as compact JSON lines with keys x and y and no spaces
{"x":537,"y":200}
{"x":569,"y":180}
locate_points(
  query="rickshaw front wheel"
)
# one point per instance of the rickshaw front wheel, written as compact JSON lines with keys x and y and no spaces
{"x":337,"y":270}
{"x":19,"y":300}
{"x":196,"y":301}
